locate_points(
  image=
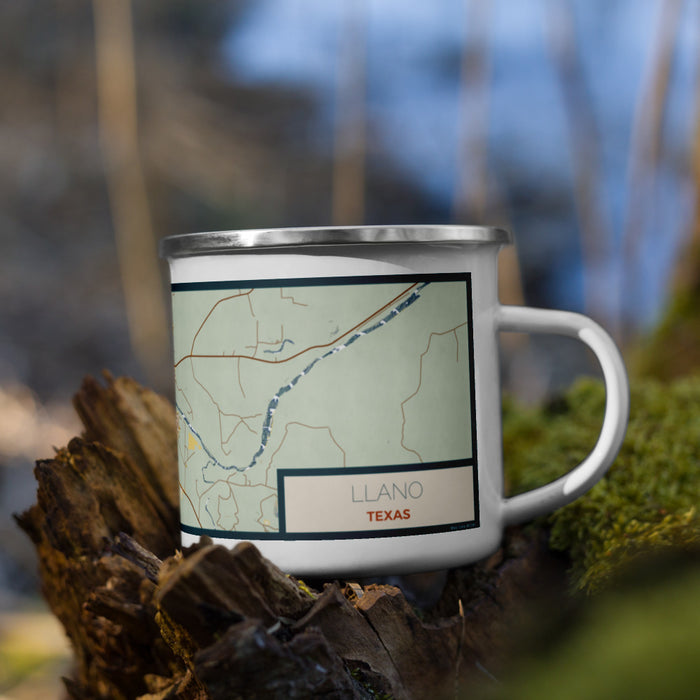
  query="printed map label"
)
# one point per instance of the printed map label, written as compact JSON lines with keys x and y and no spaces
{"x":371,"y":502}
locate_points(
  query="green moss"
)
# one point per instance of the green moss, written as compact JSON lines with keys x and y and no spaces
{"x":648,"y":499}
{"x":304,"y":588}
{"x":359,"y":677}
{"x":672,"y":350}
{"x":639,"y":641}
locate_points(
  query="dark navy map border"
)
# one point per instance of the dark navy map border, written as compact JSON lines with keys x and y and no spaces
{"x":323,"y":281}
{"x":392,"y":532}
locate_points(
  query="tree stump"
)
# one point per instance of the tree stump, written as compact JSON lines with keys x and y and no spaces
{"x":149,"y":621}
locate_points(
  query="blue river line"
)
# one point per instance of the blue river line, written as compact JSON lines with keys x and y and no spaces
{"x":281,"y":347}
{"x":274,"y":402}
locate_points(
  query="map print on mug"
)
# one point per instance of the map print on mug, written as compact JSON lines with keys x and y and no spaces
{"x":319,"y":407}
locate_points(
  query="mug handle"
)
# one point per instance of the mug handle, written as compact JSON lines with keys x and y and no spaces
{"x":567,"y":488}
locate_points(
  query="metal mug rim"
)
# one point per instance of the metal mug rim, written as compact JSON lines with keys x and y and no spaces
{"x":220,"y":242}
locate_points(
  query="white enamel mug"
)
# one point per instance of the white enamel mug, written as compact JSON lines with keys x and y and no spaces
{"x":338,"y":395}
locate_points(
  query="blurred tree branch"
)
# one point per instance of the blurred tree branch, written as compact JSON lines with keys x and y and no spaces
{"x":118,"y":124}
{"x":476,"y":199}
{"x":647,"y":140}
{"x":471,"y":197}
{"x":673,"y":349}
{"x":584,"y":138}
{"x":687,"y":273}
{"x":350,"y":119}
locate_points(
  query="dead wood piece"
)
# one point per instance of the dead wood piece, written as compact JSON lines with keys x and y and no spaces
{"x":248,"y":662}
{"x":354,"y":640}
{"x":425,"y":655}
{"x":130,"y":549}
{"x":88,"y":494}
{"x":147,"y":621}
{"x":121,"y":641}
{"x":213,"y":599}
{"x":138,"y":424}
{"x":181,"y":687}
{"x":498,"y":595}
{"x":205,"y":589}
{"x":111,"y":624}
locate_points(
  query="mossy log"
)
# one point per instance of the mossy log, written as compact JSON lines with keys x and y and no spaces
{"x":147,"y":620}
{"x":646,"y":504}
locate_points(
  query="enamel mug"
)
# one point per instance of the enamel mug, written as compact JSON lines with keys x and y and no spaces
{"x":338,"y":397}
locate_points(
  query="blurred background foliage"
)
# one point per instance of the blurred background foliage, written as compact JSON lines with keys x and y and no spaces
{"x":576,"y":123}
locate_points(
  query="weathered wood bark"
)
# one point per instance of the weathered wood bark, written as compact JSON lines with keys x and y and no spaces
{"x":148,"y":621}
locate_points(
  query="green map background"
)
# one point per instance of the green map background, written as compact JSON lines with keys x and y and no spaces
{"x":398,"y":395}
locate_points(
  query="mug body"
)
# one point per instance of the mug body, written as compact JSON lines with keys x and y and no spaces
{"x":337,"y":395}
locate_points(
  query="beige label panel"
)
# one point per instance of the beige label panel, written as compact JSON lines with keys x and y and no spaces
{"x":387,"y":501}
